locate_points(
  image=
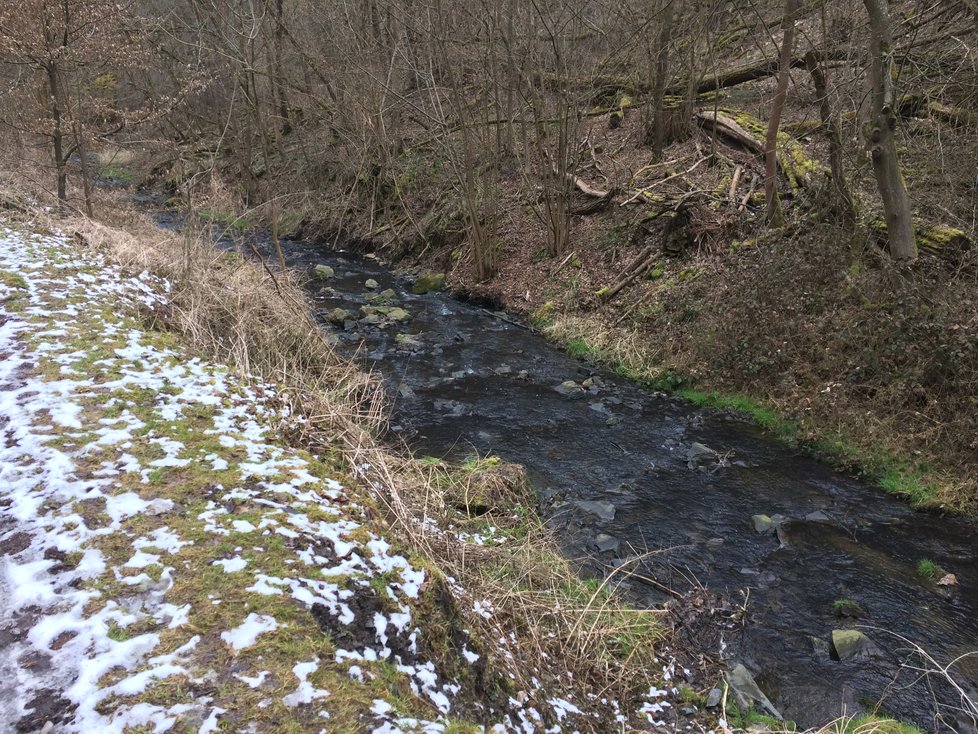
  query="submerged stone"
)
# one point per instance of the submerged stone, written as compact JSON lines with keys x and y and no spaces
{"x":570,"y":388}
{"x":603,"y":510}
{"x":376,"y":314}
{"x":747,"y":693}
{"x":385,"y":296}
{"x":763,"y":524}
{"x":339,"y":316}
{"x":407,"y":340}
{"x":371,"y":284}
{"x":605,"y":542}
{"x":428,"y":282}
{"x":323,"y":272}
{"x":822,"y":649}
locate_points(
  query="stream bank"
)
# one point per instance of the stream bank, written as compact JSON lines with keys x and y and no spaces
{"x":680,"y":498}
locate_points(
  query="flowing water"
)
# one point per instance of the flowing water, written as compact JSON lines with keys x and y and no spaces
{"x":618,"y":476}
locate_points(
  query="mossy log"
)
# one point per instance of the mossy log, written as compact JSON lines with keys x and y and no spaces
{"x":747,"y":131}
{"x":939,"y":240}
{"x":920,"y":105}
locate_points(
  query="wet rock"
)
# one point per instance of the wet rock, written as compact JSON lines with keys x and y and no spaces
{"x":714,"y":698}
{"x":714,"y":543}
{"x":850,"y":644}
{"x":747,"y":694}
{"x":613,"y":421}
{"x":371,"y":284}
{"x":848,"y":608}
{"x":603,"y":510}
{"x":405,"y":391}
{"x":407,"y":340}
{"x":384,"y":297}
{"x":570,"y":389}
{"x":817,"y":516}
{"x":389,"y":313}
{"x":428,"y":282}
{"x":598,"y":407}
{"x":605,"y":542}
{"x":699,"y":454}
{"x":763,"y":524}
{"x":822,"y":649}
{"x":323,"y":272}
{"x":504,"y":369}
{"x":339,"y":316}
{"x":453,"y":407}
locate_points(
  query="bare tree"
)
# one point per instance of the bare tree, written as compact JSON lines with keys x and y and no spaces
{"x":60,"y":40}
{"x":775,"y":215}
{"x":881,"y":135}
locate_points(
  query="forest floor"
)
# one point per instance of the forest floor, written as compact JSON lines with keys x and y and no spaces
{"x":171,"y":561}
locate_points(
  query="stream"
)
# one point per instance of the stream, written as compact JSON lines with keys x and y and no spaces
{"x":626,"y":475}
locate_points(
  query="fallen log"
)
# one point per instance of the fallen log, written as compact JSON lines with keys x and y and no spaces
{"x":747,"y":132}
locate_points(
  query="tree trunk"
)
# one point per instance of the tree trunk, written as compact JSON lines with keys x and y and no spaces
{"x":659,"y":83}
{"x":57,"y":134}
{"x":881,"y":136}
{"x":56,"y":109}
{"x":830,"y":121}
{"x":775,"y":216}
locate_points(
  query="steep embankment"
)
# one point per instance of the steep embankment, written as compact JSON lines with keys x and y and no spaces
{"x":168,"y":562}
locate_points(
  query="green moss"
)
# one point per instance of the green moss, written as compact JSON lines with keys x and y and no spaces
{"x":428,"y":282}
{"x":879,"y":725}
{"x":795,"y":163}
{"x":847,"y":608}
{"x":542,"y":315}
{"x":744,"y":720}
{"x":688,"y":695}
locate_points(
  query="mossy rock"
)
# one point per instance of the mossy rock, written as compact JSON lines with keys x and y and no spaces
{"x":850,"y":644}
{"x":371,"y":285}
{"x":407,"y":340}
{"x":323,"y":272}
{"x":339,"y":316}
{"x":384,"y":297}
{"x":427,"y":283}
{"x":376,"y":314}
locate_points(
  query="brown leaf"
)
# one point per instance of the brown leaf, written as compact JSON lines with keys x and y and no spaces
{"x":948,"y":579}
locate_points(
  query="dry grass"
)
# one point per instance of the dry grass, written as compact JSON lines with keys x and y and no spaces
{"x":560,"y":629}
